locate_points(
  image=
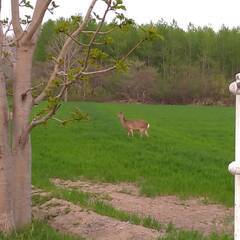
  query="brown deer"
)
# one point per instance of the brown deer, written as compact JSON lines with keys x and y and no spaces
{"x":131,"y":125}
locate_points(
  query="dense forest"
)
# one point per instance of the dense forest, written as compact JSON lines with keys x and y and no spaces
{"x":177,"y":67}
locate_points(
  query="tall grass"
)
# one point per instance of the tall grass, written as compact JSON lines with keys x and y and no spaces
{"x":187,"y":153}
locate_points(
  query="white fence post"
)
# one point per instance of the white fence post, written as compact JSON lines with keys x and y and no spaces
{"x":234,"y":167}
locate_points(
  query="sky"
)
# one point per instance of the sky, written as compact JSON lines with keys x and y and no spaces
{"x":212,"y":13}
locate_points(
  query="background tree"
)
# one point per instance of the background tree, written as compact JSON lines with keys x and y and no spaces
{"x":193,"y":65}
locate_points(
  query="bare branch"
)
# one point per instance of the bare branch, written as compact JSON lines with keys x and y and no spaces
{"x":64,"y":88}
{"x":43,"y":119}
{"x":39,"y":11}
{"x":58,"y":120}
{"x":18,"y":31}
{"x":95,"y":35}
{"x":76,"y":41}
{"x":98,"y":43}
{"x":98,"y":71}
{"x":133,"y":49}
{"x":83,"y":44}
{"x":99,"y":33}
{"x":63,"y":51}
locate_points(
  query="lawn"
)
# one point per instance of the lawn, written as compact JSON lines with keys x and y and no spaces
{"x":187,"y":153}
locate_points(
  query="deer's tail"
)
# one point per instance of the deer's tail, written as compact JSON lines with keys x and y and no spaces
{"x":148,"y":126}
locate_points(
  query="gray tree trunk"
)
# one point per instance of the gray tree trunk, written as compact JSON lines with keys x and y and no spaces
{"x":6,"y":204}
{"x":21,"y":149}
{"x":15,"y":153}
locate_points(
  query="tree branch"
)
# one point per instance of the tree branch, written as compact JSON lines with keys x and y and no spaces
{"x":99,"y":33}
{"x":88,"y":51}
{"x":18,"y":31}
{"x":39,"y":11}
{"x":30,"y":90}
{"x":83,"y":44}
{"x":66,"y":85}
{"x":98,"y":71}
{"x":133,"y":49}
{"x":58,"y":120}
{"x":113,"y":67}
{"x":95,"y":34}
{"x":63,"y":51}
{"x":42,"y":120}
{"x":76,"y":41}
{"x":37,"y":122}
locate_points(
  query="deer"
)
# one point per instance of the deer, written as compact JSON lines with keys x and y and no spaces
{"x":131,"y":125}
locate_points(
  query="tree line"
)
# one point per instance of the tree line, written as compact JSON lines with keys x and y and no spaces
{"x":177,"y":67}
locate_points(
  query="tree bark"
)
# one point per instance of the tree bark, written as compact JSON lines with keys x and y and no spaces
{"x":22,"y":106}
{"x":22,"y":184}
{"x":6,"y":204}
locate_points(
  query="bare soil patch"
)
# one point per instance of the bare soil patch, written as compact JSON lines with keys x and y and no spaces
{"x":72,"y":219}
{"x":190,"y":214}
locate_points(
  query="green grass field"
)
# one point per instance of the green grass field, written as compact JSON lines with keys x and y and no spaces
{"x":187,"y":153}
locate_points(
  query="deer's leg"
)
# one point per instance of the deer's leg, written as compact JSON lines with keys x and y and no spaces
{"x":141,"y":132}
{"x":131,"y":131}
{"x":146,"y":132}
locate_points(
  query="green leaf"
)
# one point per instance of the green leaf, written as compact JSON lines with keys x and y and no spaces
{"x":62,"y":26}
{"x":78,"y":115}
{"x":98,"y":54}
{"x":108,"y":40}
{"x":121,"y":66}
{"x":152,"y":34}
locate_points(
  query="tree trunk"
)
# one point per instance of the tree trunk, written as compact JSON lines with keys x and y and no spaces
{"x":6,"y":204}
{"x":22,"y":184}
{"x":22,"y":106}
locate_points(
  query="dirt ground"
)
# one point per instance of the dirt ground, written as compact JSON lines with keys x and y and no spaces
{"x":71,"y":219}
{"x":190,"y":214}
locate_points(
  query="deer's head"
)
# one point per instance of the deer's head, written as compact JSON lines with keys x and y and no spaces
{"x":120,"y":115}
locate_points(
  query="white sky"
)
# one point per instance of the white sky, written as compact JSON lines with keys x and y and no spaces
{"x":199,"y":12}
